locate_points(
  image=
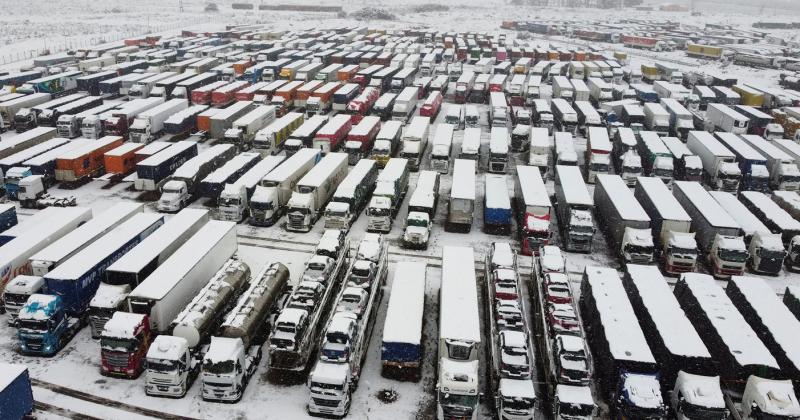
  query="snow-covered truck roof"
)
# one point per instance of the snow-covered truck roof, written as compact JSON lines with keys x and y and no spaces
{"x":676,"y":332}
{"x":625,"y":338}
{"x":85,"y":259}
{"x":772,"y":210}
{"x":394,"y":169}
{"x":190,"y":168}
{"x":354,"y":178}
{"x":406,"y":306}
{"x":664,"y":202}
{"x":122,"y":325}
{"x":253,"y":176}
{"x":163,"y":239}
{"x":654,"y":144}
{"x":88,"y":232}
{"x":570,"y":394}
{"x":168,"y":153}
{"x":17,"y":158}
{"x":571,"y":181}
{"x":497,"y":192}
{"x":716,"y":307}
{"x":757,"y":299}
{"x":59,"y":151}
{"x":700,"y":390}
{"x":230,"y":167}
{"x":458,"y":309}
{"x":172,"y":271}
{"x":463,"y":180}
{"x":748,"y":222}
{"x":621,"y":197}
{"x":292,"y":164}
{"x":322,"y":170}
{"x":705,"y":204}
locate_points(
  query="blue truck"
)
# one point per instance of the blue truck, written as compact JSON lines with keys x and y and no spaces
{"x":91,"y":82}
{"x":151,"y":172}
{"x":8,"y":216}
{"x":755,"y":175}
{"x":497,"y":206}
{"x":43,"y":326}
{"x":13,"y":176}
{"x":184,"y":122}
{"x":212,"y":185}
{"x":16,"y":396}
{"x":645,"y":93}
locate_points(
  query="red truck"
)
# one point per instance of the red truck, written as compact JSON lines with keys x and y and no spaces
{"x":248,"y":93}
{"x":332,"y":135}
{"x":432,"y":105}
{"x":121,"y":118}
{"x":648,"y":43}
{"x":225,"y":95}
{"x":304,"y":92}
{"x":124,"y":343}
{"x":320,"y":101}
{"x":361,"y":137}
{"x":202,"y":95}
{"x":362,"y":104}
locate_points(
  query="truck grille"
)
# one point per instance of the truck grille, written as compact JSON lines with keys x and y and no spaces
{"x":295,"y":221}
{"x":325,"y":403}
{"x":97,"y":323}
{"x":116,"y":359}
{"x":160,"y":381}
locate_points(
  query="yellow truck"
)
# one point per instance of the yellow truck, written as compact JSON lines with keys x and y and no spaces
{"x":703,"y":51}
{"x":650,"y":72}
{"x":750,"y":96}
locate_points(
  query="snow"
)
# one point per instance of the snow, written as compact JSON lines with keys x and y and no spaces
{"x":781,"y":401}
{"x":621,"y":197}
{"x":463,"y":180}
{"x":458,"y":310}
{"x":323,"y":171}
{"x":81,"y":152}
{"x":677,"y":333}
{"x":330,"y":373}
{"x":702,"y":391}
{"x":168,"y":274}
{"x":167,"y":347}
{"x":8,"y":373}
{"x":713,"y":145}
{"x":705,"y":204}
{"x":532,"y":186}
{"x":514,"y":388}
{"x":59,"y":151}
{"x":122,"y":325}
{"x":749,"y":223}
{"x":160,"y":244}
{"x":790,"y":197}
{"x":570,"y":394}
{"x":664,"y":202}
{"x":24,"y":284}
{"x":87,"y":233}
{"x":38,"y":307}
{"x":735,"y":143}
{"x":191,"y":167}
{"x":643,"y":390}
{"x":497,"y":196}
{"x":123,"y":149}
{"x":622,"y":330}
{"x":33,"y":151}
{"x":231,"y":167}
{"x":89,"y":256}
{"x":222,"y":349}
{"x":9,"y":146}
{"x":498,"y":140}
{"x":393,"y":172}
{"x":731,"y":326}
{"x":291,"y":316}
{"x":780,"y":322}
{"x":571,"y":181}
{"x":777,"y":215}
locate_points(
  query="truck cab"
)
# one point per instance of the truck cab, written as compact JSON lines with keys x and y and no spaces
{"x":171,"y":367}
{"x":637,"y":246}
{"x":727,"y":256}
{"x":696,"y":396}
{"x":330,"y":388}
{"x":232,"y":203}
{"x":31,"y":189}
{"x":43,"y":326}
{"x":301,"y":211}
{"x":793,"y":255}
{"x":417,"y":230}
{"x":379,"y":211}
{"x":139,"y":131}
{"x":458,"y":389}
{"x":769,"y":399}
{"x":174,"y":196}
{"x":68,"y":127}
{"x":264,"y":208}
{"x":124,"y":344}
{"x":639,"y":397}
{"x":766,"y":253}
{"x":12,"y":179}
{"x":630,"y":167}
{"x":679,"y":253}
{"x":227,"y":366}
{"x":17,"y":292}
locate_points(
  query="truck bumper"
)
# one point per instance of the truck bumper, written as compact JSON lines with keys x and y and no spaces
{"x":457,"y":227}
{"x":169,"y":391}
{"x":497,"y":229}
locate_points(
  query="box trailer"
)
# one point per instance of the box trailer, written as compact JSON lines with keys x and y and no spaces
{"x":85,"y":162}
{"x":154,"y":170}
{"x":148,"y":125}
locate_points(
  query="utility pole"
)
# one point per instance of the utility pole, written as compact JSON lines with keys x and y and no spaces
{"x":180,"y":6}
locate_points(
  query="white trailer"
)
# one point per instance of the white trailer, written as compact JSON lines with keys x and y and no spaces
{"x":313,"y":192}
{"x":233,"y":203}
{"x":460,"y":340}
{"x":244,"y":130}
{"x":724,"y":118}
{"x":462,"y":197}
{"x":721,"y":170}
{"x":784,"y":174}
{"x":150,"y":123}
{"x":59,"y":251}
{"x":442,"y":148}
{"x":268,"y":202}
{"x":175,"y":282}
{"x":415,"y":141}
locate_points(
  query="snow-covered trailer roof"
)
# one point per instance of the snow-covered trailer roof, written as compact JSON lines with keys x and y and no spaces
{"x":292,"y":164}
{"x":772,"y":210}
{"x":417,"y":128}
{"x":354,"y":178}
{"x":322,"y":170}
{"x":664,"y":202}
{"x":424,"y":193}
{"x":443,"y":135}
{"x":625,"y":338}
{"x":654,"y":144}
{"x":621,"y":197}
{"x":393,"y":170}
{"x":168,"y":153}
{"x":571,"y":181}
{"x":532,"y":186}
{"x":253,"y":176}
{"x":766,"y":148}
{"x":749,"y":223}
{"x":497,"y":192}
{"x":498,"y":140}
{"x":458,"y":309}
{"x":230,"y":167}
{"x":705,"y":204}
{"x":17,"y":158}
{"x":190,"y":168}
{"x":54,"y":154}
{"x":739,"y":146}
{"x":463,"y":180}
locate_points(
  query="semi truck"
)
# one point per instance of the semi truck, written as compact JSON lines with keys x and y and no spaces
{"x":142,"y":88}
{"x":272,"y":138}
{"x":401,"y":344}
{"x":421,"y":210}
{"x":181,"y":187}
{"x":461,"y":206}
{"x":149,"y":124}
{"x":49,"y":117}
{"x":626,"y":223}
{"x":724,"y":118}
{"x":390,"y":191}
{"x":269,"y":200}
{"x":752,"y":163}
{"x":10,"y":108}
{"x":333,"y":134}
{"x":314,"y":191}
{"x":681,"y":120}
{"x":360,"y":138}
{"x":83,"y":163}
{"x":184,"y":123}
{"x":233,"y":204}
{"x":626,"y":371}
{"x":533,"y":208}
{"x":574,"y":208}
{"x":27,"y":118}
{"x":223,"y":120}
{"x":212,"y":185}
{"x":55,"y":84}
{"x":719,"y":164}
{"x":718,"y":235}
{"x":415,"y":141}
{"x":774,"y":217}
{"x":123,"y":345}
{"x":351,"y":196}
{"x":120,"y":119}
{"x":657,"y":160}
{"x":671,"y":226}
{"x":69,"y":124}
{"x":168,"y":289}
{"x":784,"y":174}
{"x":244,"y":130}
{"x":153,"y":171}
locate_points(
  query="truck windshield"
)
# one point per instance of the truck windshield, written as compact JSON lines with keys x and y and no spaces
{"x":261,"y":205}
{"x":517,"y":403}
{"x":32,"y":324}
{"x":323,"y":385}
{"x":418,"y":222}
{"x":466,"y":403}
{"x":773,"y":254}
{"x":117,"y":344}
{"x":15,"y":298}
{"x":692,"y":411}
{"x":380,"y":211}
{"x":575,"y":409}
{"x":228,"y":202}
{"x":218,"y":368}
{"x":734,"y":255}
{"x":162,"y":366}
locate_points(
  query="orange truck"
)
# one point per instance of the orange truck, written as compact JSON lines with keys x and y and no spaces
{"x":226,"y":95}
{"x":121,"y":160}
{"x":304,"y":92}
{"x":347,"y":72}
{"x":240,"y":66}
{"x":319,"y":103}
{"x":86,"y":161}
{"x":288,"y":92}
{"x":204,"y":119}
